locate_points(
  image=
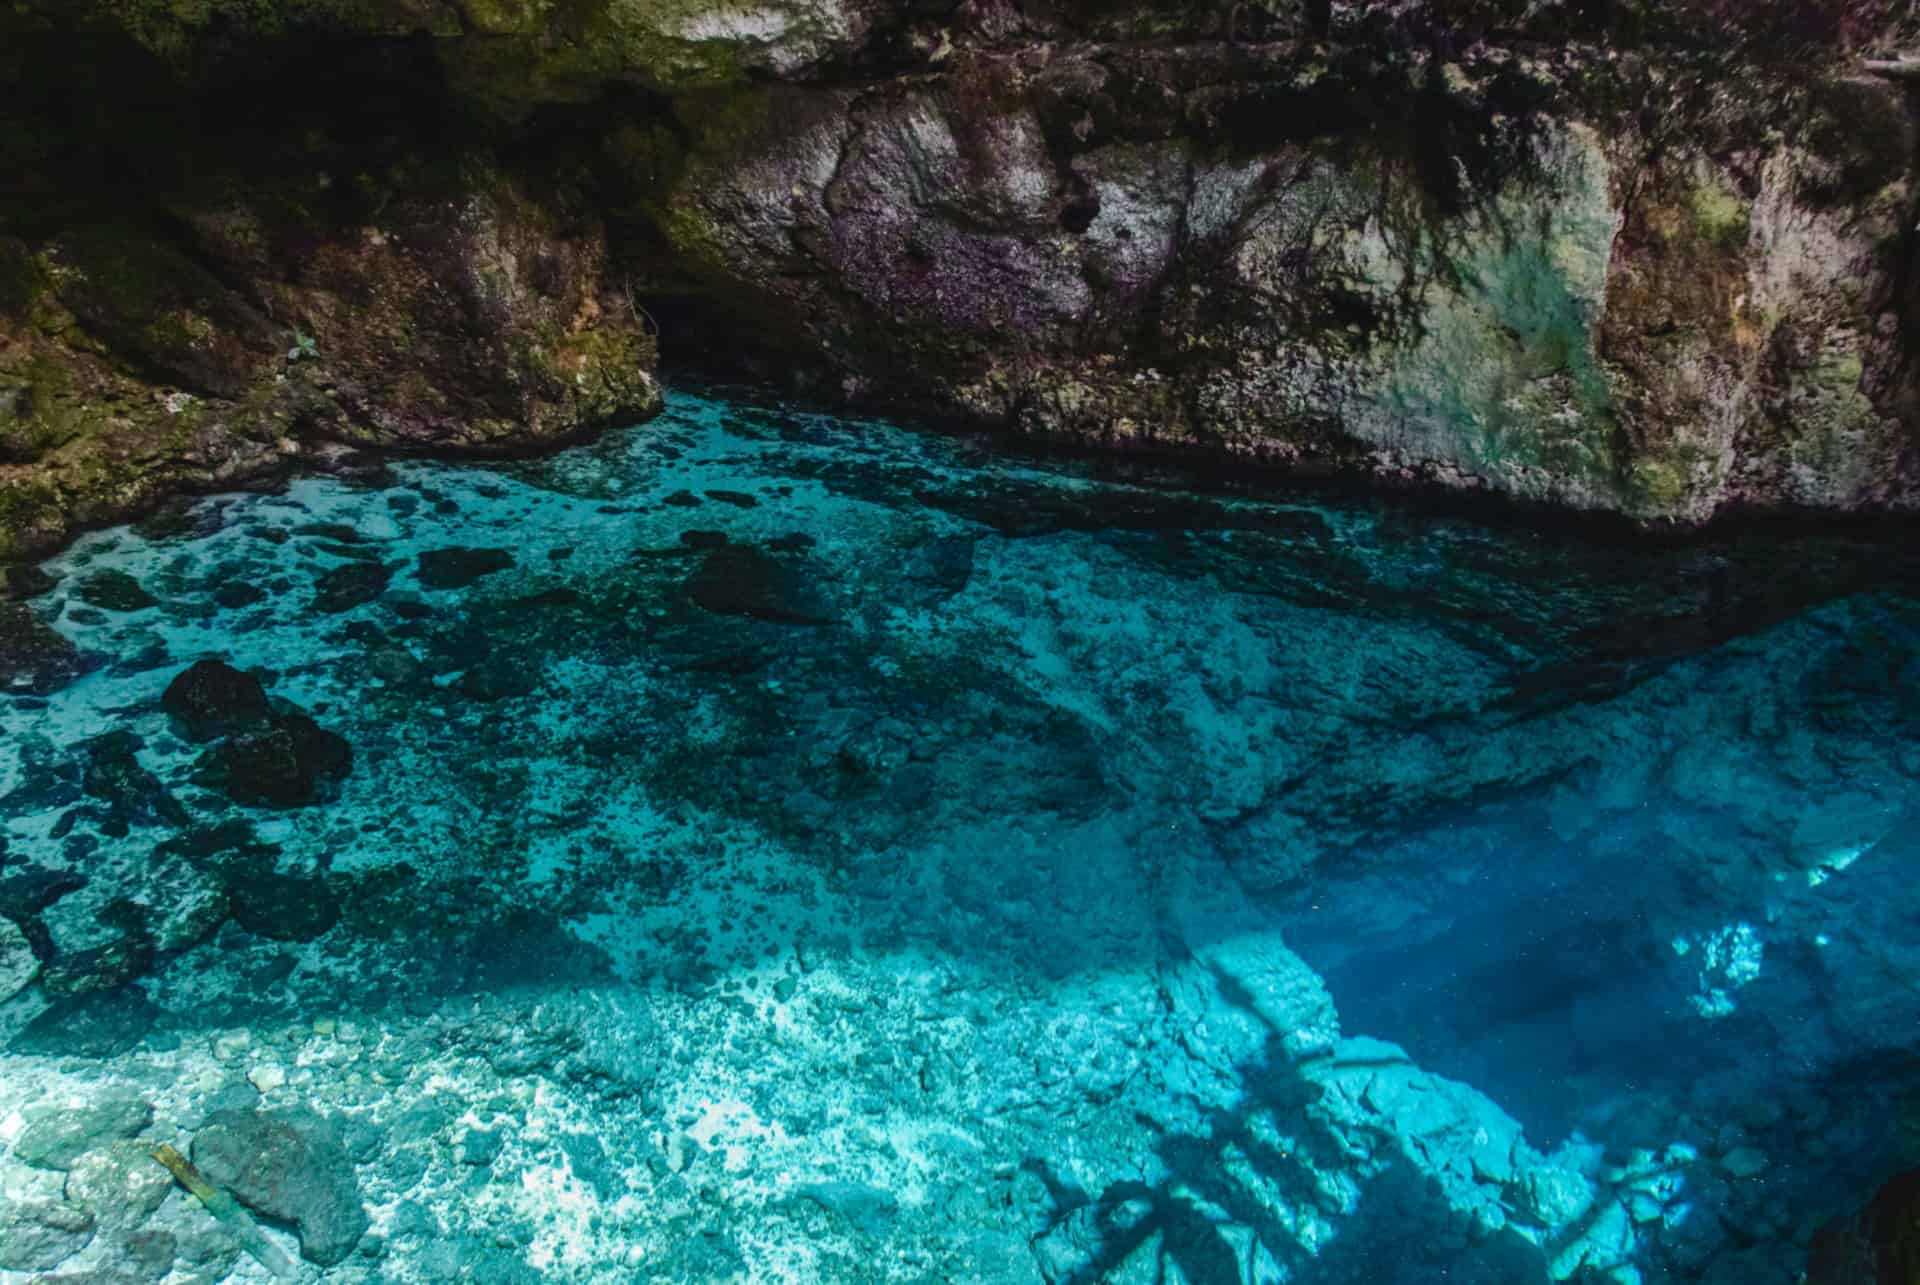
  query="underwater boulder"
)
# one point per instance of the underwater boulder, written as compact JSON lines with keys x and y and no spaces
{"x":56,"y":1137}
{"x":211,"y":698}
{"x":289,"y":1165}
{"x":99,"y":1026}
{"x":280,"y":766}
{"x":283,"y":907}
{"x":457,"y":568}
{"x":18,"y":964}
{"x":351,"y":585}
{"x":38,"y":1234}
{"x":1879,"y":1246}
{"x":735,"y":580}
{"x":99,"y":968}
{"x":34,"y":659}
{"x":113,"y":590}
{"x":116,"y":777}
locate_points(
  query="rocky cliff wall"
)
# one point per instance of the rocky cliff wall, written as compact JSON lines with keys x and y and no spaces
{"x":1652,"y":258}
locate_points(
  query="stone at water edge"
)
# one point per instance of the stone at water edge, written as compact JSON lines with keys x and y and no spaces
{"x":18,"y":964}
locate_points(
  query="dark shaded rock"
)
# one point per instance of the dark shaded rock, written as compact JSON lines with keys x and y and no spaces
{"x":38,"y":1234}
{"x":481,"y":1147}
{"x":238,"y":593}
{"x":33,"y":658}
{"x":339,"y":531}
{"x":290,"y":1166}
{"x":114,"y":591}
{"x":682,"y":500}
{"x":942,"y":566}
{"x":558,"y":596}
{"x":234,"y":837}
{"x":284,"y":765}
{"x":152,"y":1250}
{"x":116,"y":777}
{"x":791,"y":542}
{"x":29,"y":892}
{"x":1879,"y":1246}
{"x":740,"y":581}
{"x":587,"y":1157}
{"x":211,"y":698}
{"x":704,"y":539}
{"x":55,"y":1137}
{"x":499,"y":678}
{"x":283,"y":907}
{"x":355,"y":584}
{"x":182,"y":519}
{"x":105,"y":1025}
{"x":738,"y":499}
{"x":99,"y":968}
{"x":19,"y":962}
{"x":459,"y":567}
{"x":25,"y":581}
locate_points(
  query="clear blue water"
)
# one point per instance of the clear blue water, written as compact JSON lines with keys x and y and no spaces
{"x":809,"y":850}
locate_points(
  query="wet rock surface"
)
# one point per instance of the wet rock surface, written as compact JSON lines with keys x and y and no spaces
{"x":1132,"y":880}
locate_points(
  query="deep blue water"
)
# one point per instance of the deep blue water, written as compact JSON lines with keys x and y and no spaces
{"x":781,"y":848}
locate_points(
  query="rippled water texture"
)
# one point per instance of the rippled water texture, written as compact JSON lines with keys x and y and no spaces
{"x":782,"y":848}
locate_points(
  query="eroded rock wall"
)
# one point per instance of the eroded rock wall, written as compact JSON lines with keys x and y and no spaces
{"x":1652,"y":258}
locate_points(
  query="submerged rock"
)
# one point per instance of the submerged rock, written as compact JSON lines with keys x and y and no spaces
{"x":115,"y":776}
{"x":284,"y":907}
{"x":99,"y":968}
{"x":114,"y":591}
{"x":18,"y":964}
{"x":458,"y":568}
{"x":353,"y":584}
{"x":33,"y":658}
{"x":211,"y":698}
{"x":119,"y":1182}
{"x":101,"y":1026}
{"x":289,"y":1165}
{"x":56,"y":1137}
{"x":39,"y":1234}
{"x":735,"y":580}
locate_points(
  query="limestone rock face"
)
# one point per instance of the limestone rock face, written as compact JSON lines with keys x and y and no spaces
{"x":1475,"y":269}
{"x":1651,"y":257}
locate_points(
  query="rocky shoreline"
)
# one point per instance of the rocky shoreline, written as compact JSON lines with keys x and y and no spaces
{"x":1644,"y":257}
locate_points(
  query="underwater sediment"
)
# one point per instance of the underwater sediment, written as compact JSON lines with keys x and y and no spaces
{"x":759,"y":845}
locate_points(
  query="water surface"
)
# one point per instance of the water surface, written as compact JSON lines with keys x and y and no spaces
{"x":782,"y":848}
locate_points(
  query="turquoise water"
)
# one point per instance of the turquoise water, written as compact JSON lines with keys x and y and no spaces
{"x":780,"y":848}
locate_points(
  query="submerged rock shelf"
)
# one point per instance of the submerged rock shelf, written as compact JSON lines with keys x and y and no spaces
{"x":769,"y":847}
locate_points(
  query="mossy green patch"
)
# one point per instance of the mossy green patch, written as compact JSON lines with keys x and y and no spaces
{"x":1722,"y":215}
